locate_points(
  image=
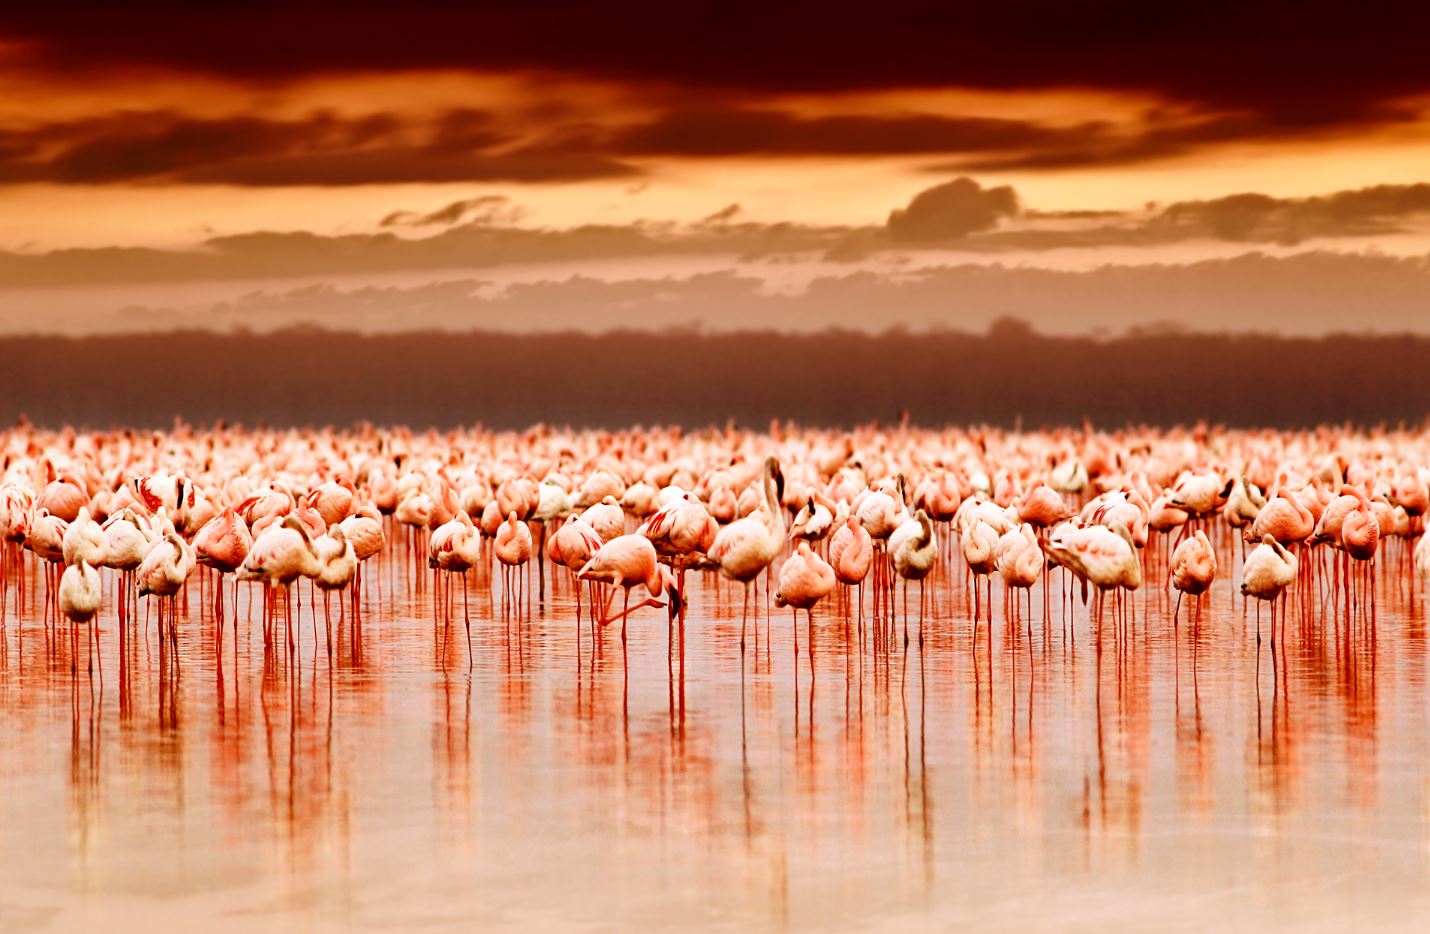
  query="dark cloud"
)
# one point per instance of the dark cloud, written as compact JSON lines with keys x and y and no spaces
{"x":474,"y":145}
{"x":466,"y":144}
{"x":1297,"y":63}
{"x":484,"y":210}
{"x":1162,"y":136}
{"x":951,"y":210}
{"x":1255,"y":217}
{"x":320,"y":149}
{"x":1242,"y":218}
{"x":472,"y":245}
{"x":722,"y":216}
{"x":1249,"y":217}
{"x":957,"y":215}
{"x":1309,"y":293}
{"x":746,"y":131}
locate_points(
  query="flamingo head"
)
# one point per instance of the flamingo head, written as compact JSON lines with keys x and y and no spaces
{"x":772,"y":470}
{"x":671,"y":589}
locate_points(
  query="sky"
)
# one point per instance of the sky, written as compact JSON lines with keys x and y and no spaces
{"x":548,"y":165}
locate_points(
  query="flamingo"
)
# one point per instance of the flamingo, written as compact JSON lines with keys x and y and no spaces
{"x":1019,"y":559}
{"x":1265,"y":575}
{"x":280,"y":555}
{"x":84,"y":540}
{"x":629,"y":561}
{"x":1200,"y":494}
{"x":979,"y":545}
{"x":683,"y":532}
{"x":334,"y":500}
{"x":1359,"y":539}
{"x":1244,"y":503}
{"x":1105,"y":558}
{"x":851,"y":553}
{"x":512,"y":546}
{"x":126,"y":541}
{"x":940,"y":495}
{"x":222,"y":544}
{"x":881,"y":511}
{"x":571,"y":546}
{"x":1193,"y":568}
{"x":814,"y":521}
{"x":456,"y":548}
{"x":64,"y":497}
{"x":748,"y":546}
{"x":1042,"y":507}
{"x":46,"y":540}
{"x":606,"y":518}
{"x":337,"y":566}
{"x":80,"y":597}
{"x":1422,"y":558}
{"x":163,"y":571}
{"x":915,"y":552}
{"x":364,"y":529}
{"x":805,"y":579}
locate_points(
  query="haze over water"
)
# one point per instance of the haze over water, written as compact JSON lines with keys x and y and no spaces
{"x":1054,"y":780}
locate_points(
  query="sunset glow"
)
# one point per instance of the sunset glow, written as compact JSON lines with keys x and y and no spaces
{"x":491,"y":145}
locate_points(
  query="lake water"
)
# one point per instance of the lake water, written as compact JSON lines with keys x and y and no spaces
{"x":1052,"y":780}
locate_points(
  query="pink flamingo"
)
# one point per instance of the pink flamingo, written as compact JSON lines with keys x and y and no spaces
{"x":805,"y":579}
{"x":1193,"y":569}
{"x":851,"y":554}
{"x":629,"y":561}
{"x":80,"y":597}
{"x":747,"y":546}
{"x":571,"y":546}
{"x":682,"y":532}
{"x":456,"y":548}
{"x":512,"y":546}
{"x":163,"y":571}
{"x":222,"y":544}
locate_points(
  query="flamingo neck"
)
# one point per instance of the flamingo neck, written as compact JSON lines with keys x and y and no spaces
{"x":772,"y":506}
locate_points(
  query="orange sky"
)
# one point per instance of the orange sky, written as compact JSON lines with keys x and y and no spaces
{"x":618,"y":142}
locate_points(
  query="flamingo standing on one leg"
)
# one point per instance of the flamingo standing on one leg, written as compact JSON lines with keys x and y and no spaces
{"x":281,"y":554}
{"x":128,"y":540}
{"x":805,"y":579}
{"x":1193,"y":569}
{"x":165,"y":567}
{"x":979,"y":545}
{"x":46,"y":540}
{"x":1019,"y":558}
{"x":915,"y":552}
{"x":457,"y":548}
{"x":571,"y":546}
{"x":80,"y":597}
{"x":1265,"y":575}
{"x":512,"y":546}
{"x":851,"y":554}
{"x":223,"y":544}
{"x":682,"y":531}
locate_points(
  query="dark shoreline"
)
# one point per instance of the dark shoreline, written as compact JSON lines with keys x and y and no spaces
{"x":1006,"y":377}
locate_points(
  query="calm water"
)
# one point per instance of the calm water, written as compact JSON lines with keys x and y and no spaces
{"x":1053,"y":781}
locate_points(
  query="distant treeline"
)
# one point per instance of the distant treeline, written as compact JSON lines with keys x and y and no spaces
{"x":1010,"y":374}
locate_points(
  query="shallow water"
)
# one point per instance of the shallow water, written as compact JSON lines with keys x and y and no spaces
{"x":1049,"y":780}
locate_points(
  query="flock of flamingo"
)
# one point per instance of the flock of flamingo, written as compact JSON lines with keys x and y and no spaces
{"x":1317,"y":518}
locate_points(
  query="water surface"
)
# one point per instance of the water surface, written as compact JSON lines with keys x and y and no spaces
{"x":1052,"y":779}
